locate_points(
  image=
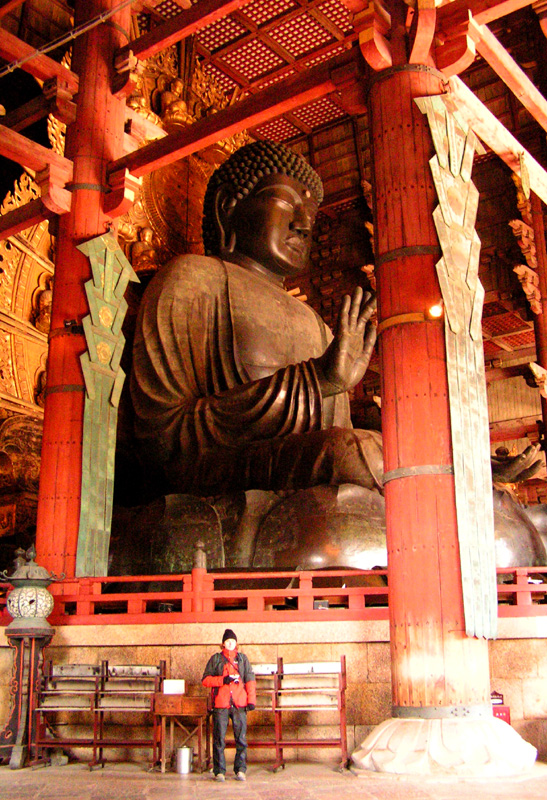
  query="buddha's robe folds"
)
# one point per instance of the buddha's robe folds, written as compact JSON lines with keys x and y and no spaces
{"x":226,"y":394}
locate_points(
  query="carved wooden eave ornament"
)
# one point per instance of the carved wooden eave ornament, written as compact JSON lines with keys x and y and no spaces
{"x":53,"y":172}
{"x":540,"y":377}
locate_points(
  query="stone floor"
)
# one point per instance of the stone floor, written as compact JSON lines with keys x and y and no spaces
{"x":302,"y":781}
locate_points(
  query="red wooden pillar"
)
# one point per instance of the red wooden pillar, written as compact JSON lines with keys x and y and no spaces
{"x":94,"y":139}
{"x":540,"y":320}
{"x":434,"y":663}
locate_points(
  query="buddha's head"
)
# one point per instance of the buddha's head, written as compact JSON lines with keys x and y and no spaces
{"x":259,"y":209}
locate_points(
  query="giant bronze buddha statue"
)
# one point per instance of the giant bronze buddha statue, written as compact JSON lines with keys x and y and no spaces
{"x":238,"y":387}
{"x":236,"y":384}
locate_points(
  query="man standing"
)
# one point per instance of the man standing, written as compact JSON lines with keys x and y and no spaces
{"x":231,"y":678}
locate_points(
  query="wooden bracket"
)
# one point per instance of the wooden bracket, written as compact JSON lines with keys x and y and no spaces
{"x":54,"y":196}
{"x":423,"y":29}
{"x":125,"y":187}
{"x":529,"y":280}
{"x":455,"y":48}
{"x":127,"y":69}
{"x":540,"y":7}
{"x":350,"y":81}
{"x":56,"y":99}
{"x":374,"y":23}
{"x":59,"y":96}
{"x":51,"y":177}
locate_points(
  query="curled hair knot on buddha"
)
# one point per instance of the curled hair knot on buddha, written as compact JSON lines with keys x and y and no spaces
{"x":244,"y":170}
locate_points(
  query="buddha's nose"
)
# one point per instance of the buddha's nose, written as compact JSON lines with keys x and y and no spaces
{"x":302,"y":222}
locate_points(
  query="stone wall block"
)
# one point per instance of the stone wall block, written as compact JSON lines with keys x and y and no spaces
{"x":188,"y":662}
{"x":534,"y":693}
{"x":357,"y":662}
{"x":379,"y":662}
{"x":295,"y":653}
{"x":510,"y":657}
{"x":371,"y":704}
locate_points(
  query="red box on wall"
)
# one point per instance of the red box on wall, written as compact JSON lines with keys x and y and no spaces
{"x":502,"y":712}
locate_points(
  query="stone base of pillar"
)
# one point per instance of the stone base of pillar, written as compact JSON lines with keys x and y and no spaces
{"x":486,"y":747}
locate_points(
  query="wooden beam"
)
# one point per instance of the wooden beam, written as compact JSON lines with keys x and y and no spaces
{"x":509,"y":71}
{"x":180,"y":27}
{"x":510,"y":429}
{"x":9,"y":5}
{"x":23,"y":217}
{"x":41,"y":66}
{"x":252,"y":111}
{"x":27,"y":114}
{"x":494,"y":134}
{"x":32,"y":155}
{"x":494,"y":374}
{"x":455,"y":48}
{"x":483,"y":11}
{"x":54,"y":99}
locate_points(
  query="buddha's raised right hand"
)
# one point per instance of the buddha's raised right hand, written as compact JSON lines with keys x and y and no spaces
{"x":345,"y":361}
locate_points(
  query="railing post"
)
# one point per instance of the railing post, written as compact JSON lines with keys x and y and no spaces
{"x":186,"y":593}
{"x":255,"y":603}
{"x":84,"y":607}
{"x":199,"y":571}
{"x":305,"y":586}
{"x":521,"y":579}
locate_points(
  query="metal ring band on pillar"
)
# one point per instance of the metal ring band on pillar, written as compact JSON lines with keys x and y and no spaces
{"x":442,"y":712}
{"x":405,"y":252}
{"x":411,"y":472}
{"x":400,"y":319}
{"x":387,"y":73}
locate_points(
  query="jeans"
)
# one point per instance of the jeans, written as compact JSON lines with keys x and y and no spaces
{"x":220,"y":726}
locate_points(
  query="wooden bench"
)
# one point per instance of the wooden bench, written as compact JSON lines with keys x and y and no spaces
{"x":308,"y":686}
{"x":89,"y":693}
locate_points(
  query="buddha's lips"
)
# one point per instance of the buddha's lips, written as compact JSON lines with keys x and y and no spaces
{"x":296,"y":243}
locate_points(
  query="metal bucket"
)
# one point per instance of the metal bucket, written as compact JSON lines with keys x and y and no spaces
{"x":185,"y":757}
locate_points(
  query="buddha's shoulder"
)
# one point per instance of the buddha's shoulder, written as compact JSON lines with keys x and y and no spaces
{"x":191,"y":267}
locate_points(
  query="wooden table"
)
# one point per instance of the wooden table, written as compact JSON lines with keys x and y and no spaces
{"x":193,"y":710}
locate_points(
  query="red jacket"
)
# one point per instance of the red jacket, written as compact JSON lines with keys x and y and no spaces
{"x":239,"y":694}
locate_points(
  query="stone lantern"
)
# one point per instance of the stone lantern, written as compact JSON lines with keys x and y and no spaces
{"x":29,"y":602}
{"x":29,"y":633}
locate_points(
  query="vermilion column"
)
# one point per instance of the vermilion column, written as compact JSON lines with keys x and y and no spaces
{"x":94,"y":139}
{"x":540,"y":320}
{"x":442,"y":720}
{"x":434,"y":663}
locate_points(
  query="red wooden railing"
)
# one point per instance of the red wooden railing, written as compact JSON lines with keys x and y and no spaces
{"x":202,"y":596}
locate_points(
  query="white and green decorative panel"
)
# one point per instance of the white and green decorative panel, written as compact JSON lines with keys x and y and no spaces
{"x":463,"y":297}
{"x":104,"y":379}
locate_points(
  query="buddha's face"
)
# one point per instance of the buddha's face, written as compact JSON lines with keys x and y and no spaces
{"x":273,"y":226}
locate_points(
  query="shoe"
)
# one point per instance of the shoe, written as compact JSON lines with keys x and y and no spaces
{"x":220,"y":776}
{"x":240,"y":776}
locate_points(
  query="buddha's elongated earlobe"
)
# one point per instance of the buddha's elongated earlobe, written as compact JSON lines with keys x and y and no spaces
{"x":223,"y":209}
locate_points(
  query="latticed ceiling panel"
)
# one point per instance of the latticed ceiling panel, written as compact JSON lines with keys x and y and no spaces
{"x":222,"y":79}
{"x":215,"y":35}
{"x":505,"y":323}
{"x":301,"y":35}
{"x":169,"y":8}
{"x":262,"y":11}
{"x":519,"y":340}
{"x":252,"y":59}
{"x":279,"y":130}
{"x":266,"y":41}
{"x":337,"y":13}
{"x":319,"y":113}
{"x":493,"y":309}
{"x":492,"y":350}
{"x":331,"y":52}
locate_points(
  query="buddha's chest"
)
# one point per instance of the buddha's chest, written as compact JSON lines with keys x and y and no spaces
{"x":271,"y":328}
